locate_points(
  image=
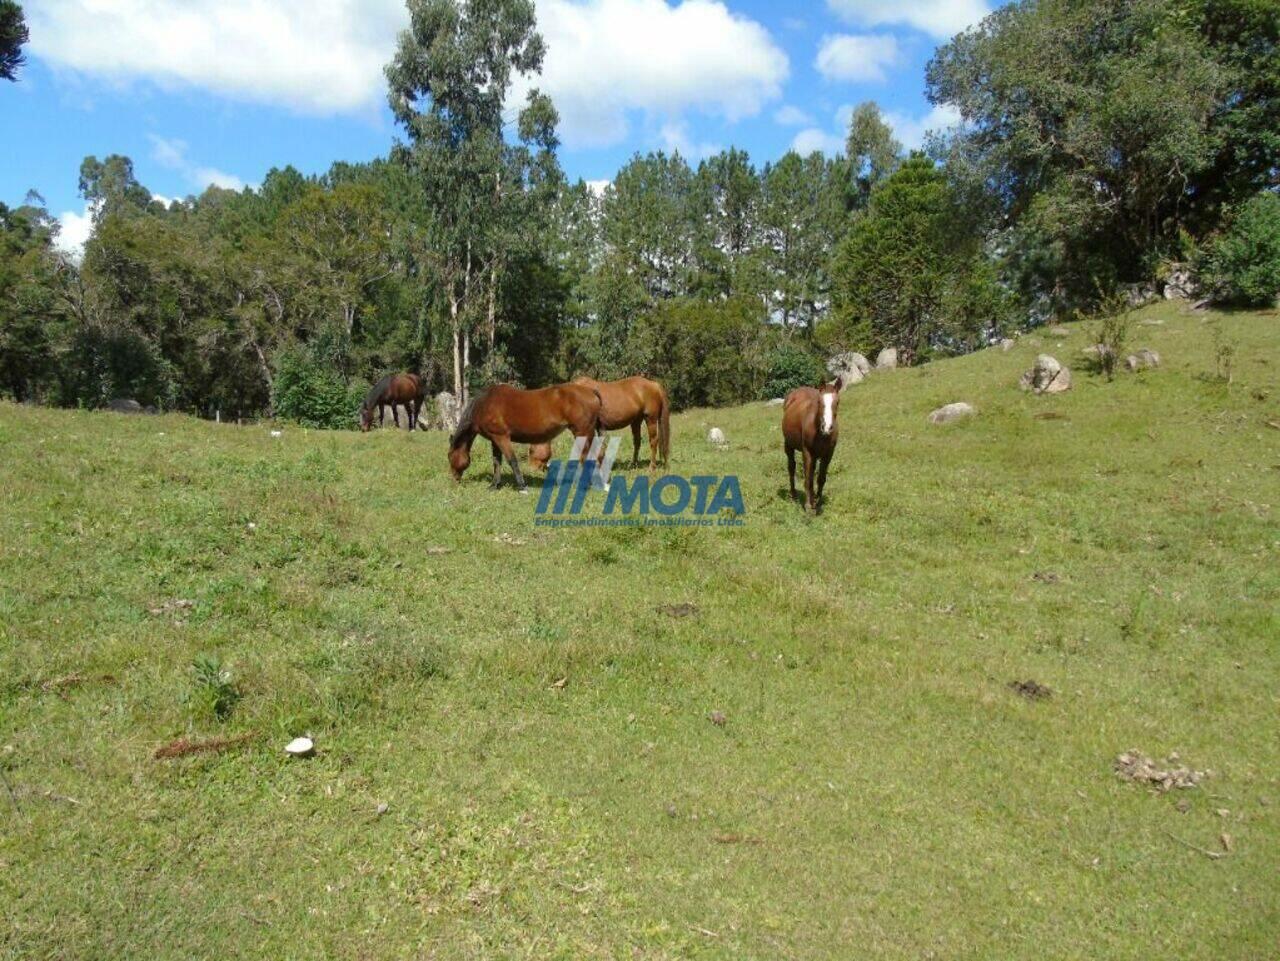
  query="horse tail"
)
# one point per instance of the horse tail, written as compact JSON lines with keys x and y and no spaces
{"x":664,"y":425}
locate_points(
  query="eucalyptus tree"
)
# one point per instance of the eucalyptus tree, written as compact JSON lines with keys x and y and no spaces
{"x":449,"y":83}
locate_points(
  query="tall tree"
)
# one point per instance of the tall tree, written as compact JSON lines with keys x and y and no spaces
{"x":449,"y":81}
{"x":871,"y":148}
{"x":13,"y":34}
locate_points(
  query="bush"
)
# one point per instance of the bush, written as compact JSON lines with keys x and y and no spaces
{"x":791,"y":367}
{"x":311,"y":392}
{"x":1242,"y":265}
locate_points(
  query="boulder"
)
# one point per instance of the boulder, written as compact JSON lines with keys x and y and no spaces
{"x":1046,"y":377}
{"x":1136,"y":295}
{"x":1144,"y":359}
{"x":850,"y":367}
{"x":887,"y":359}
{"x":952,"y":412}
{"x":447,"y":411}
{"x":1059,"y":331}
{"x":125,"y":405}
{"x":716,"y":436}
{"x":1180,"y":284}
{"x":1007,"y":344}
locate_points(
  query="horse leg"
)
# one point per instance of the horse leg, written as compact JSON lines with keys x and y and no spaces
{"x":635,"y":443}
{"x":791,"y":469}
{"x":823,"y":463}
{"x":509,"y":451}
{"x":395,"y":414}
{"x":497,"y":467}
{"x":808,"y":480}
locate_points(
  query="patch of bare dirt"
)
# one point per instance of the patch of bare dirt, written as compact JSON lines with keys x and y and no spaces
{"x":184,"y":746}
{"x":1164,"y":775}
{"x":684,"y":609}
{"x":1031,"y":690}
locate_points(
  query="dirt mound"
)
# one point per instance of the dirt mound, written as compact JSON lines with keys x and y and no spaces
{"x":1133,"y":765}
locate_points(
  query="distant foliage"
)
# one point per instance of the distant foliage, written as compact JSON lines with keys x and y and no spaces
{"x":792,"y":367}
{"x":308,"y":390}
{"x":1242,"y":266}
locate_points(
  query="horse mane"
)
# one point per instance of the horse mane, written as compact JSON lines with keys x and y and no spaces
{"x":464,"y":422}
{"x":377,"y":391}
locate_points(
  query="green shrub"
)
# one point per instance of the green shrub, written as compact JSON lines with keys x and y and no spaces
{"x":791,"y":367}
{"x":311,"y":392}
{"x":1242,"y":265}
{"x":213,"y":690}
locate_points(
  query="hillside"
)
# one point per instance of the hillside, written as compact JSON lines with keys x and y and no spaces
{"x":539,"y":729}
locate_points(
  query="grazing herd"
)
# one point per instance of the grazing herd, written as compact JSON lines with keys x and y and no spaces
{"x":506,"y":416}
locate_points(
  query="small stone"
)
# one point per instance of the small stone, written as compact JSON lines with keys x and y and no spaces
{"x":776,"y":402}
{"x":1144,"y":359}
{"x":382,"y":808}
{"x":716,"y":436}
{"x":1059,"y":331}
{"x":717,"y":718}
{"x":951,"y":413}
{"x":300,"y":747}
{"x":1222,"y":812}
{"x":277,"y":433}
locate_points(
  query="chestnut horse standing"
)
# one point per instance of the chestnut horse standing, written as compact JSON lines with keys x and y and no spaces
{"x":629,"y":402}
{"x":809,"y":425}
{"x":393,"y":389}
{"x":507,"y":415}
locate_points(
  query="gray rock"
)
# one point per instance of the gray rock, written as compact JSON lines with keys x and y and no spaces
{"x":1059,"y":331}
{"x":1180,"y":284}
{"x":952,"y":412}
{"x":716,"y":436}
{"x":125,"y":405}
{"x":1007,"y":344}
{"x":447,"y":411}
{"x":1046,"y":377}
{"x":850,"y":367}
{"x":1136,"y":295}
{"x":887,"y":359}
{"x":1144,"y":359}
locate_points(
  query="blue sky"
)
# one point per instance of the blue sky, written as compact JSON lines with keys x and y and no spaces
{"x":220,"y":91}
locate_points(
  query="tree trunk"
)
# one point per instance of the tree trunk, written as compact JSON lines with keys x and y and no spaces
{"x":493,"y":303}
{"x":457,"y":348}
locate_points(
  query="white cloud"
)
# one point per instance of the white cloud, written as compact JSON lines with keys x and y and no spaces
{"x":172,"y":153}
{"x":324,"y":56}
{"x":608,"y":58}
{"x":605,"y":58}
{"x":676,"y":139}
{"x":938,"y":18}
{"x":910,"y":131}
{"x":856,"y":58}
{"x":789,"y":115}
{"x":73,"y":230}
{"x":815,"y":139}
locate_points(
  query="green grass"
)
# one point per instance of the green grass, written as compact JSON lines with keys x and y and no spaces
{"x":876,"y":789}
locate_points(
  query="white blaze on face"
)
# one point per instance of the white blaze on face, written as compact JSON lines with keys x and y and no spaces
{"x":828,"y":412}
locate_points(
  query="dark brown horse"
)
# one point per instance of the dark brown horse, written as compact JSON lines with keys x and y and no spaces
{"x":809,"y":425}
{"x":393,"y":389}
{"x":629,"y":402}
{"x":507,"y":415}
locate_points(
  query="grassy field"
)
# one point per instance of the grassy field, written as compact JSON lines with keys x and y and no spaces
{"x":515,"y":756}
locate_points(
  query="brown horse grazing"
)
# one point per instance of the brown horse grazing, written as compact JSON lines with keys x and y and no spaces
{"x":809,"y":425}
{"x":507,"y":415}
{"x":393,"y":389}
{"x":631,"y":402}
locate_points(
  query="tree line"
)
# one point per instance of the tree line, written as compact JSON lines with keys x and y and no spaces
{"x":1103,"y":143}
